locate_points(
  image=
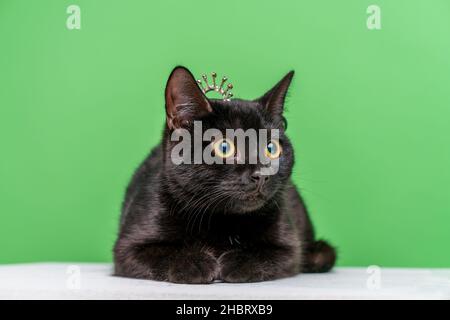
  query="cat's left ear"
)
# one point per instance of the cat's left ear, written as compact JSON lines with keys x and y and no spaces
{"x":185,"y":102}
{"x":273,"y":100}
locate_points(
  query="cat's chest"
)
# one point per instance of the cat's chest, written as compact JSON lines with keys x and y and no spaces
{"x":237,"y":231}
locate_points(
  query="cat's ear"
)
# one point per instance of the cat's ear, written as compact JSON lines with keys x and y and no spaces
{"x":184,"y":99}
{"x":273,"y":100}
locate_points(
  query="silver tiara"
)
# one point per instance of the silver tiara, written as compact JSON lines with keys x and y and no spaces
{"x":225,"y":92}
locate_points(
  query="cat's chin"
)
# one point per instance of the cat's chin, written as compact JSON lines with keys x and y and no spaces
{"x":251,"y":207}
{"x":250,"y":203}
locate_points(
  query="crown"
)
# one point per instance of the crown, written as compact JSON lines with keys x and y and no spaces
{"x":225,"y":92}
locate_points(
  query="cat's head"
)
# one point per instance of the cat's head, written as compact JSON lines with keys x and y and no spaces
{"x":239,"y":185}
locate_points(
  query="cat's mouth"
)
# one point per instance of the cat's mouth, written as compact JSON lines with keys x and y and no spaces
{"x":256,"y":195}
{"x":252,"y":201}
{"x":248,"y":199}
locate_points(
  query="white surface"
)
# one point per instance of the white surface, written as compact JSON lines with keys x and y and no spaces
{"x":94,"y":281}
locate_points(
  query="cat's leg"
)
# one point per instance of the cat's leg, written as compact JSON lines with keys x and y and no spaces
{"x":166,"y":262}
{"x":259,"y":263}
{"x":317,"y":255}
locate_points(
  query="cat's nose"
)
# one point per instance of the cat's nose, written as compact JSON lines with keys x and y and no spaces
{"x":258,"y":178}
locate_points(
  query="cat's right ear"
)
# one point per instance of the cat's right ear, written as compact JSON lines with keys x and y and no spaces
{"x":273,"y":100}
{"x":185,"y":101}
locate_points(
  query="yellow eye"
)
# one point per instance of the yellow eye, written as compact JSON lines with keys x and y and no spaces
{"x":224,"y":148}
{"x":273,"y":149}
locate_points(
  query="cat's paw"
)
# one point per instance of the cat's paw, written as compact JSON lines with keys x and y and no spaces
{"x":193,"y":268}
{"x":236,"y":266}
{"x":241,"y":266}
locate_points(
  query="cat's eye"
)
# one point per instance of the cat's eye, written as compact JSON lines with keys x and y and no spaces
{"x":224,"y":148}
{"x":273,"y":149}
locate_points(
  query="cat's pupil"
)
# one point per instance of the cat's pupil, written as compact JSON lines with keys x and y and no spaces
{"x":224,"y":146}
{"x":271,"y":148}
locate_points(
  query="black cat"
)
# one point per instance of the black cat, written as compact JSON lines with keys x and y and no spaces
{"x":196,"y":223}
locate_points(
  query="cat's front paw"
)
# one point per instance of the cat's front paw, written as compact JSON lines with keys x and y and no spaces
{"x":241,"y":266}
{"x":193,"y":268}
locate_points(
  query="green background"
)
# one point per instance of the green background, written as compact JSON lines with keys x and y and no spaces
{"x":368,"y":112}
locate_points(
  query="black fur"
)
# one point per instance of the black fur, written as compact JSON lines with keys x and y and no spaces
{"x":200,"y":223}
